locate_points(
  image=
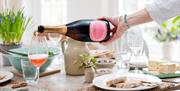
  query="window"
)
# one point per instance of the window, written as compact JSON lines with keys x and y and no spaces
{"x":53,"y":12}
{"x":130,"y":6}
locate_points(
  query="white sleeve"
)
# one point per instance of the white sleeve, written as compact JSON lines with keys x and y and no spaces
{"x":162,"y":10}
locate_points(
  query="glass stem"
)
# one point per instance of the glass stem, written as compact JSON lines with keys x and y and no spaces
{"x":37,"y":74}
{"x":136,"y":67}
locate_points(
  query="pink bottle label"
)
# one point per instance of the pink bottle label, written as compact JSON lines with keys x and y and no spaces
{"x":98,"y":30}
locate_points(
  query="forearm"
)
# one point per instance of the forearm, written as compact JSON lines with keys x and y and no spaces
{"x":139,"y":17}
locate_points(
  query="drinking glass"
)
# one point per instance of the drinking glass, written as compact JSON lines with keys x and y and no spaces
{"x":29,"y":72}
{"x":135,"y":43}
{"x":123,"y":57}
{"x":38,"y":53}
{"x":54,"y":38}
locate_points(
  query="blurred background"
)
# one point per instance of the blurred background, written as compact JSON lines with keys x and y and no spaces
{"x":57,"y":12}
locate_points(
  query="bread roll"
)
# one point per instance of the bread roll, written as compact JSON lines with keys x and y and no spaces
{"x":119,"y":85}
{"x":116,"y":80}
{"x":132,"y":85}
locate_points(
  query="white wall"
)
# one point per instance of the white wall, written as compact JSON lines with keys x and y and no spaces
{"x":31,"y":9}
{"x":84,"y":9}
{"x":10,"y":4}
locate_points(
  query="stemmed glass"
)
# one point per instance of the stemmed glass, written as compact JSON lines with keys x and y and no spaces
{"x":54,"y":38}
{"x":38,"y":53}
{"x":135,"y":43}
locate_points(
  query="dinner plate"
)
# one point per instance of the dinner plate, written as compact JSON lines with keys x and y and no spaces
{"x":6,"y":89}
{"x":8,"y":75}
{"x":100,"y":81}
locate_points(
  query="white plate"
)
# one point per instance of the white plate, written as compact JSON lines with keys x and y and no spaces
{"x":101,"y":81}
{"x":6,"y":89}
{"x":8,"y":75}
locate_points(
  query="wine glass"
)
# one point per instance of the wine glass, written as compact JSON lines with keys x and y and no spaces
{"x":38,"y":53}
{"x":54,"y":38}
{"x":135,"y":43}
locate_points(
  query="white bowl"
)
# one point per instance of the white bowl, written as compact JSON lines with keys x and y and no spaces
{"x":103,"y":71}
{"x":105,"y":62}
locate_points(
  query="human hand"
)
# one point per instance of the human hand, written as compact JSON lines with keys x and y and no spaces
{"x":118,"y":30}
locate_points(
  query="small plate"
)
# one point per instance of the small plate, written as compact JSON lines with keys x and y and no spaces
{"x":105,"y":62}
{"x":8,"y":75}
{"x":100,"y":81}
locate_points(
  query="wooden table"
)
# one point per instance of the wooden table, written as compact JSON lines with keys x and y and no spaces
{"x":55,"y":82}
{"x":59,"y":81}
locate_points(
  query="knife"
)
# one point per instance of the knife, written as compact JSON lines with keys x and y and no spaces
{"x":171,"y":80}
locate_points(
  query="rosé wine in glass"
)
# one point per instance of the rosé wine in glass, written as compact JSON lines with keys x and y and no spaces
{"x":38,"y":59}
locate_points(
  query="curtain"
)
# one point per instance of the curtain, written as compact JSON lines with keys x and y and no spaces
{"x":127,"y":7}
{"x":10,"y":4}
{"x":2,"y":5}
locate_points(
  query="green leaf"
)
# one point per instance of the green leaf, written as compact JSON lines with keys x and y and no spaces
{"x":15,"y":22}
{"x":176,"y":19}
{"x":171,"y":29}
{"x":164,"y":25}
{"x":86,"y":58}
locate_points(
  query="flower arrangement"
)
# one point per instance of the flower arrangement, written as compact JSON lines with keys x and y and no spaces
{"x":88,"y":61}
{"x":170,"y":30}
{"x":12,"y":26}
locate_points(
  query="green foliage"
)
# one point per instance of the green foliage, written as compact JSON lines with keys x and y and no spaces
{"x":88,"y":61}
{"x":170,"y":32}
{"x":12,"y":26}
{"x":50,"y":53}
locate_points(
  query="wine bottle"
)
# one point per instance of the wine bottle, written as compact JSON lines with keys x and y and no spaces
{"x":86,"y":30}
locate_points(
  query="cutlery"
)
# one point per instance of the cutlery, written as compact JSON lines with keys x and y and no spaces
{"x":149,"y":84}
{"x":11,"y":52}
{"x":171,"y":80}
{"x":3,"y":51}
{"x":21,"y":54}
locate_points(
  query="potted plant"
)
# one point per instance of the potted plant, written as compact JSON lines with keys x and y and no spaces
{"x":12,"y":26}
{"x":169,"y":36}
{"x":89,"y":66}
